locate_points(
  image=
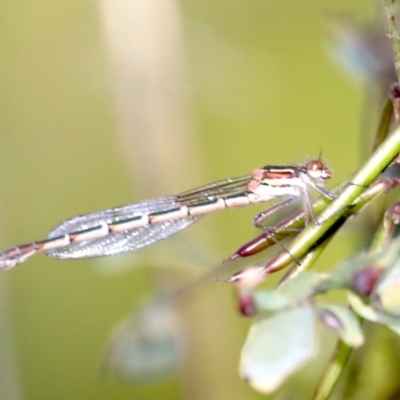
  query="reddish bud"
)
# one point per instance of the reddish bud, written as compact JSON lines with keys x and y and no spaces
{"x":365,"y":280}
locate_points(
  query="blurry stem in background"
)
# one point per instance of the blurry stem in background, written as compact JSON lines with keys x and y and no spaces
{"x":333,"y":371}
{"x":10,"y":382}
{"x":385,"y":230}
{"x":384,"y":124}
{"x":390,"y":12}
{"x":145,"y":46}
{"x":342,"y":351}
{"x":10,"y":387}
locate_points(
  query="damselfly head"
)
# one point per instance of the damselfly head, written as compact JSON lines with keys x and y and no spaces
{"x":316,"y":169}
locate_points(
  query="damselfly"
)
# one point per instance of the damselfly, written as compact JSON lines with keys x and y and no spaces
{"x":121,"y":229}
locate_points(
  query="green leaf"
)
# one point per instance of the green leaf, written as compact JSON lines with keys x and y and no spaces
{"x":147,"y":346}
{"x":266,"y":300}
{"x":278,"y":346}
{"x":368,"y":312}
{"x":342,"y":276}
{"x":290,"y":293}
{"x":344,"y":322}
{"x":386,"y":295}
{"x":361,"y":273}
{"x":301,"y":286}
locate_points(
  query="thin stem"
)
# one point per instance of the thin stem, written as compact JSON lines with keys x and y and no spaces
{"x":306,"y":263}
{"x":377,"y":163}
{"x":332,"y":373}
{"x":380,"y":187}
{"x":384,"y":124}
{"x":342,"y":351}
{"x":389,"y":8}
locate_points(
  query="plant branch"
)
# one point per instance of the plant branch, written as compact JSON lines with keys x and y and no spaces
{"x":305,"y":241}
{"x":389,"y":8}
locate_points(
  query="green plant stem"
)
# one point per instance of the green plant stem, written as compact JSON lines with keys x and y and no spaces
{"x":342,"y":351}
{"x":388,"y":6}
{"x":384,"y":232}
{"x":371,"y":170}
{"x":332,"y":373}
{"x":296,"y":220}
{"x":384,"y":124}
{"x":378,"y":162}
{"x":306,"y":263}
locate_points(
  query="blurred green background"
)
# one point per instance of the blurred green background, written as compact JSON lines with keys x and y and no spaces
{"x":112,"y":102}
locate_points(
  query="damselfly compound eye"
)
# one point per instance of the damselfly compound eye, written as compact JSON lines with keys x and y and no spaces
{"x":318,"y":170}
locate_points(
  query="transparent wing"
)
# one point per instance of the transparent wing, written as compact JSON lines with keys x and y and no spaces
{"x":143,"y":236}
{"x":119,"y":242}
{"x":215,"y":190}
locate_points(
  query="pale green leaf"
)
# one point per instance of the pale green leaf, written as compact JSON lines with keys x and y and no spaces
{"x":386,"y":295}
{"x":146,"y":346}
{"x":301,"y":286}
{"x":278,"y":346}
{"x":368,"y":312}
{"x":344,"y":322}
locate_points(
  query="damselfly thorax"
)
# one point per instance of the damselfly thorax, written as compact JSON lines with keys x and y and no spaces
{"x":121,"y":229}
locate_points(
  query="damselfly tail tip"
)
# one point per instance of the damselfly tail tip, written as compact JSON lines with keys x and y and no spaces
{"x":16,"y":255}
{"x":6,"y":263}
